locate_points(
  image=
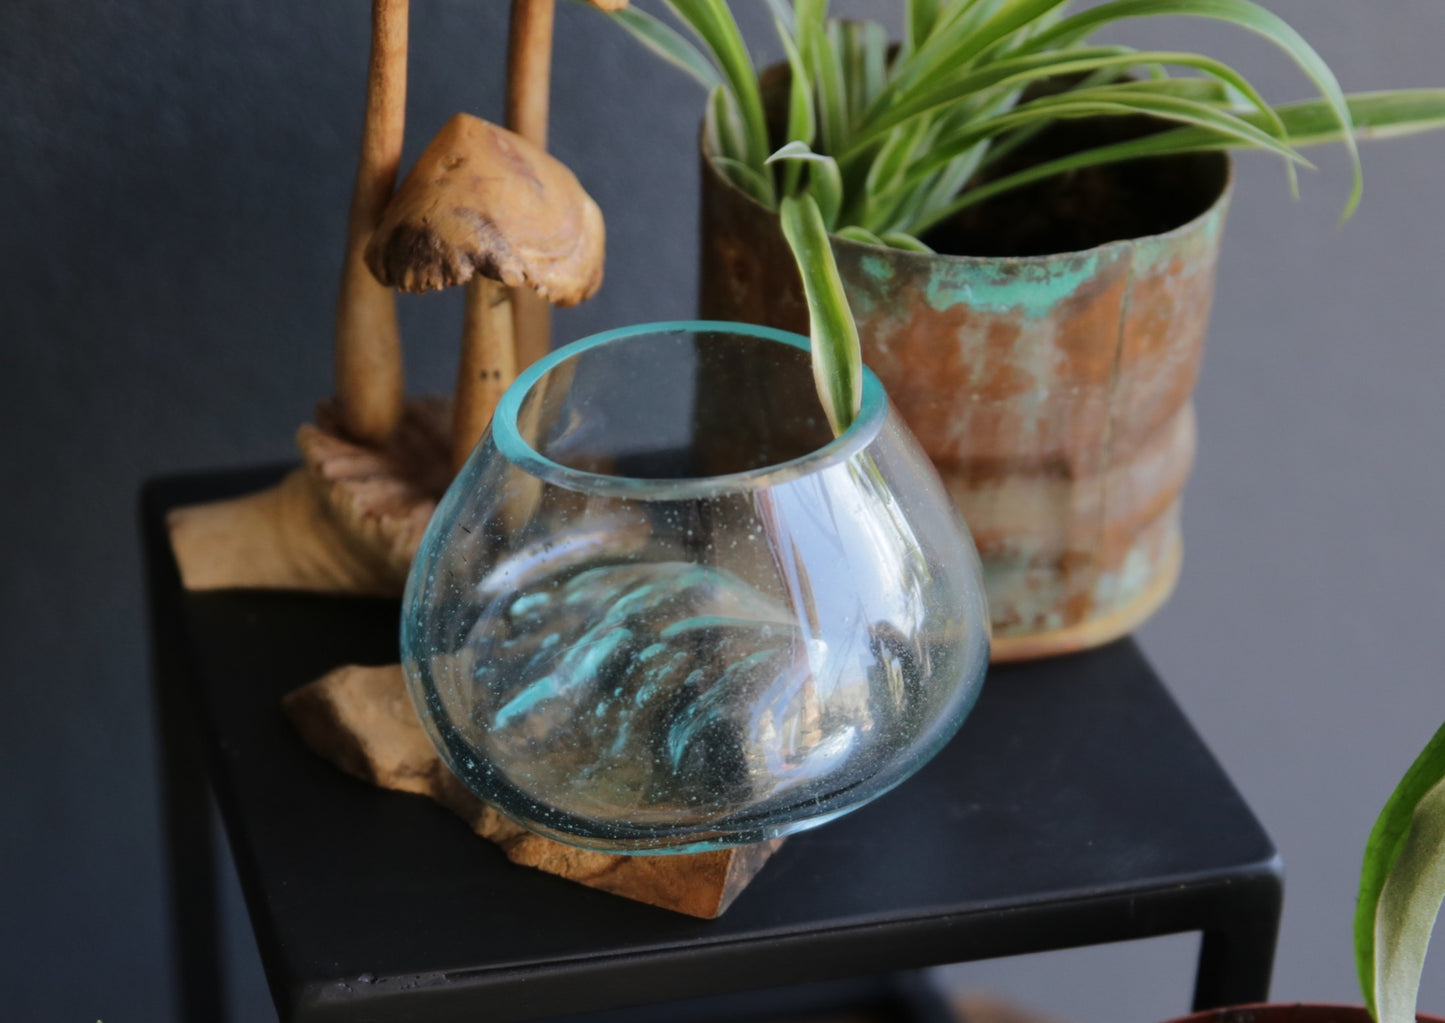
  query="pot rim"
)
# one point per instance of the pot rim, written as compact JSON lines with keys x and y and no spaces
{"x":509,"y":441}
{"x":1195,"y":223}
{"x":1270,"y":1008}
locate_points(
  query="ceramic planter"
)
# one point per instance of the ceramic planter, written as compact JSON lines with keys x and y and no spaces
{"x":1052,"y":393}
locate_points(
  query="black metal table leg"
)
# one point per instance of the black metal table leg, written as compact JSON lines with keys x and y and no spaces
{"x":920,"y":1000}
{"x":1237,"y":958}
{"x":186,"y":819}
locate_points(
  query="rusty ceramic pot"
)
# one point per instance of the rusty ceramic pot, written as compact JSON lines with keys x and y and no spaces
{"x":1052,"y":393}
{"x":1290,"y":1014}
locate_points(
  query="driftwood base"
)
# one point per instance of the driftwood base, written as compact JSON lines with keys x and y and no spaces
{"x":362,"y":720}
{"x":349,"y":521}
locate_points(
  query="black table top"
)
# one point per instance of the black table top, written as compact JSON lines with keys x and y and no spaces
{"x":1077,"y":805}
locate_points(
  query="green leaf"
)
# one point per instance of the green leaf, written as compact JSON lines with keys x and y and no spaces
{"x":824,"y":181}
{"x":874,"y":41}
{"x":962,"y":39}
{"x":802,"y":122}
{"x":999,"y":148}
{"x":722,"y":126}
{"x":811,"y":14}
{"x":1402,"y":883}
{"x":898,"y":210}
{"x":837,"y":354}
{"x":1201,"y":90}
{"x":796,"y":150}
{"x":1376,"y":115}
{"x":1163,"y":144}
{"x":861,"y":48}
{"x":826,"y":72}
{"x":887,"y":180}
{"x":862,"y":235}
{"x":826,"y":185}
{"x":662,"y":40}
{"x":783,"y":15}
{"x":1225,"y":89}
{"x":749,"y":179}
{"x":947,"y":91}
{"x":921,"y":16}
{"x":1241,"y":13}
{"x":847,"y":45}
{"x":948,"y":182}
{"x":1393,"y":113}
{"x":1103,"y":101}
{"x":713,"y":23}
{"x":905,"y":241}
{"x":1019,"y":71}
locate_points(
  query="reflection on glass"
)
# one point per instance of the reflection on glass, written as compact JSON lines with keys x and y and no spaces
{"x":663,"y":609}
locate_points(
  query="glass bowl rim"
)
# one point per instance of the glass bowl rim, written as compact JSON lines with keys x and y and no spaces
{"x":510,"y":443}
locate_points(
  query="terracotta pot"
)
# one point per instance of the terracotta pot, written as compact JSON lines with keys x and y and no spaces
{"x":1290,"y":1014}
{"x":1052,"y":392}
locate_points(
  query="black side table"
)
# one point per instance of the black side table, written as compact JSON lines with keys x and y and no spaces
{"x":1076,"y":806}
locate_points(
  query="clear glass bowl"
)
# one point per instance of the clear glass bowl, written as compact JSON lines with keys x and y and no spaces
{"x":663,"y":609}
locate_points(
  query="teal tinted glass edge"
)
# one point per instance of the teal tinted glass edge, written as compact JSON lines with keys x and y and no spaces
{"x":512,"y":446}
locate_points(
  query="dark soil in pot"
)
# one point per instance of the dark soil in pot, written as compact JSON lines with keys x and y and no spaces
{"x":1082,"y":209}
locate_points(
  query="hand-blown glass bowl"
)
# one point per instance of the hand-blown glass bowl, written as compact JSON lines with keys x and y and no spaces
{"x":663,"y":609}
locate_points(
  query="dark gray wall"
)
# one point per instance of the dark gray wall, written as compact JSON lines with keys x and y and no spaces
{"x":175,"y":178}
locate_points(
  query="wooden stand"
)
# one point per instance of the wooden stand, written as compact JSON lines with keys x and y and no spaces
{"x":361,"y":720}
{"x":348,"y":522}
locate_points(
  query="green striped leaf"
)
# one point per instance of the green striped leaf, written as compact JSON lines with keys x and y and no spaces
{"x":1375,"y":115}
{"x":783,"y":15}
{"x":1389,"y":114}
{"x":919,"y":20}
{"x":1402,"y":884}
{"x":824,"y":181}
{"x":837,"y":355}
{"x":826,"y":185}
{"x":905,"y":241}
{"x":962,"y":40}
{"x":802,"y":121}
{"x":862,"y":235}
{"x":722,"y":126}
{"x":1243,"y":14}
{"x":664,"y":41}
{"x":713,"y":23}
{"x":1021,"y":71}
{"x":1102,"y":102}
{"x":749,"y":179}
{"x":825,"y":71}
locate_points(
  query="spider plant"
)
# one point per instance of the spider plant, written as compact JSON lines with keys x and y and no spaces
{"x":881,"y":143}
{"x":1401,"y":888}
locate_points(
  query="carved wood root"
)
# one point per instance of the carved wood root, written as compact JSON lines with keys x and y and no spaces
{"x":349,"y":521}
{"x":369,"y":385}
{"x":361,"y":720}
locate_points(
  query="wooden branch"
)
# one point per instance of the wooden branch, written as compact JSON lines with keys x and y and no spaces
{"x":529,"y":69}
{"x":529,"y":88}
{"x":361,"y":720}
{"x":348,"y":522}
{"x":369,"y":383}
{"x":488,"y":364}
{"x":531,"y":325}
